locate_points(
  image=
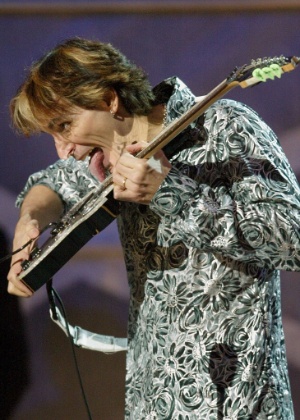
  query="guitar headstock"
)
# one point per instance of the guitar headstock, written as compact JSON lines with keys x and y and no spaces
{"x":262,"y":69}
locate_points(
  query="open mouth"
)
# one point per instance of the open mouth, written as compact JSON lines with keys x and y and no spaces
{"x":96,"y":165}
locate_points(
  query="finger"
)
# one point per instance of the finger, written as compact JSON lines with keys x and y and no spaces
{"x":132,"y":196}
{"x":122,"y":184}
{"x":21,"y":239}
{"x":131,"y":168}
{"x":15,"y":285}
{"x":16,"y":268}
{"x":18,"y":291}
{"x":133,"y":149}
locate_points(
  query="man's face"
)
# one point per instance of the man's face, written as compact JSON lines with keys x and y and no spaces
{"x":86,"y":133}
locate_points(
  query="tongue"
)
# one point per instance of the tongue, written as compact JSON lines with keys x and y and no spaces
{"x":96,"y":165}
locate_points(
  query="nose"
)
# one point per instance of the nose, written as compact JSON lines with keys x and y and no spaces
{"x":63,"y":148}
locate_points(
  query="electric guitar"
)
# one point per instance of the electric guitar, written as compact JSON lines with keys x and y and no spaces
{"x":98,"y":208}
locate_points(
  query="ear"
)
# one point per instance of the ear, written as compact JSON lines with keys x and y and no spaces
{"x":112,"y":101}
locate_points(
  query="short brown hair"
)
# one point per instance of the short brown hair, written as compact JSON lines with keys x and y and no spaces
{"x":78,"y":72}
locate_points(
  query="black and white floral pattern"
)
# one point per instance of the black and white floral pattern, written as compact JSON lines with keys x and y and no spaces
{"x":205,"y":331}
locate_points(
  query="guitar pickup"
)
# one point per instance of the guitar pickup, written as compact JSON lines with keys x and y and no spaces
{"x":25,"y":264}
{"x":34,"y":254}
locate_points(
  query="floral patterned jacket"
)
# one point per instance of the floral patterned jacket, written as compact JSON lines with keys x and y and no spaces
{"x":205,"y":331}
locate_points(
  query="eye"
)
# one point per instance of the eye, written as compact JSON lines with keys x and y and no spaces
{"x":59,"y":125}
{"x":64,"y":127}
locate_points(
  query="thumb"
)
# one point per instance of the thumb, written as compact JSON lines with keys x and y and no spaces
{"x":135,"y":147}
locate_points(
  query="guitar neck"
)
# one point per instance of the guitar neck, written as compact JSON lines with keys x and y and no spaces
{"x":178,"y":125}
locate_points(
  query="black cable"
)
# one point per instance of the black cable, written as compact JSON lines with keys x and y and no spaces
{"x":52,"y":294}
{"x":27,"y":243}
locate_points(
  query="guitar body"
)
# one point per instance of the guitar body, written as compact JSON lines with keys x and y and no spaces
{"x":74,"y":231}
{"x":98,"y":209}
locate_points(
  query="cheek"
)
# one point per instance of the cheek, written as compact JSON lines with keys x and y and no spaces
{"x":85,"y":134}
{"x":78,"y":135}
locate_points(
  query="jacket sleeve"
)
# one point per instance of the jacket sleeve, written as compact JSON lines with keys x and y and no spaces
{"x":236,"y":195}
{"x":70,"y":179}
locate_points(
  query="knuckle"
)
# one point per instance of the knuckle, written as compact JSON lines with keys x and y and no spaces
{"x":11,"y":288}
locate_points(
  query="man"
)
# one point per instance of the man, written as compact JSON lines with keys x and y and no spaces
{"x":205,"y":227}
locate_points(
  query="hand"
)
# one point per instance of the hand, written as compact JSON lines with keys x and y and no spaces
{"x":137,"y":180}
{"x":26,"y":229}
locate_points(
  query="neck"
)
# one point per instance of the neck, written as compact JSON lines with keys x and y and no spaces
{"x":156,"y":120}
{"x":139,"y":128}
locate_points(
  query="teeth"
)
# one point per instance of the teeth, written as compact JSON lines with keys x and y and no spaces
{"x":91,"y":153}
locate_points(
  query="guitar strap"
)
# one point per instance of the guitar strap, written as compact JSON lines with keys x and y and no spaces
{"x":79,"y":336}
